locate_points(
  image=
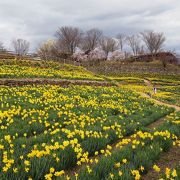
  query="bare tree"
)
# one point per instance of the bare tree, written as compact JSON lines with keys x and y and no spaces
{"x":122,"y":40}
{"x":2,"y":49}
{"x":1,"y":46}
{"x":134,"y":43}
{"x":68,"y":38}
{"x":91,"y":39}
{"x":153,"y":40}
{"x":142,"y":50}
{"x":45,"y":51}
{"x":108,"y":45}
{"x":21,"y":46}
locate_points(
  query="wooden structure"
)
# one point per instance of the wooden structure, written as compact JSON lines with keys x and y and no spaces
{"x":163,"y":56}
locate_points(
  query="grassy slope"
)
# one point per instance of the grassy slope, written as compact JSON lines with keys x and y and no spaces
{"x":137,"y":69}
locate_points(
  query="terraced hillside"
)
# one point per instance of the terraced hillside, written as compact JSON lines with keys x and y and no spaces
{"x":93,"y":127}
{"x":43,"y":69}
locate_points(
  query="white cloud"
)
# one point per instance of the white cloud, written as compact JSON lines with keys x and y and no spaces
{"x":37,"y":20}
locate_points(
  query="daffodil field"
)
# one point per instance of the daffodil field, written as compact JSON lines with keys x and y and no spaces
{"x":167,"y":92}
{"x":85,"y":132}
{"x":134,"y":156}
{"x":29,"y":69}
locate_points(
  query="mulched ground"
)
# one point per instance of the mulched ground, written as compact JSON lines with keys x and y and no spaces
{"x":63,"y":82}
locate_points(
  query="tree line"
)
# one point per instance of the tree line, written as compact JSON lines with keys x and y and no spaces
{"x":68,"y":40}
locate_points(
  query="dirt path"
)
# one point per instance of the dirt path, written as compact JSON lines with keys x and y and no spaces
{"x":177,"y":108}
{"x":168,"y":159}
{"x":156,"y":123}
{"x":149,"y":84}
{"x":172,"y":157}
{"x":60,"y":82}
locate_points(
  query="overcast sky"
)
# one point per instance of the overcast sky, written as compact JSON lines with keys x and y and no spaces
{"x":37,"y":20}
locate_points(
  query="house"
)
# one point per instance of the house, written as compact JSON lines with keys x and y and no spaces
{"x":163,"y":56}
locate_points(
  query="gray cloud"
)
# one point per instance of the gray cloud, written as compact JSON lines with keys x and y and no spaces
{"x":37,"y":20}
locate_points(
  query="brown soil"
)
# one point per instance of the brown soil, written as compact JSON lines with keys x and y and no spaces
{"x":156,"y":123}
{"x":62,"y":82}
{"x":149,"y":84}
{"x":169,"y":159}
{"x":177,"y":108}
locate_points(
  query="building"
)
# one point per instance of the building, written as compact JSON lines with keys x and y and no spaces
{"x":163,"y":56}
